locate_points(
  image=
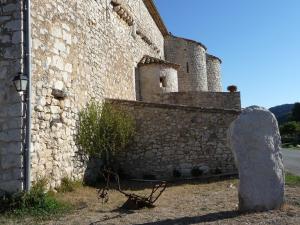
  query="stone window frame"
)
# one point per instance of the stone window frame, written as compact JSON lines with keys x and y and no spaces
{"x":163,"y":82}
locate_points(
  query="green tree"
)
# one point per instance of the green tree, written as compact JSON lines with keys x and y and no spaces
{"x":104,"y":130}
{"x":296,"y":112}
{"x":289,"y":129}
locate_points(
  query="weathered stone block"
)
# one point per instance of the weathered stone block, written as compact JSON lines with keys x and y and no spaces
{"x":255,"y":141}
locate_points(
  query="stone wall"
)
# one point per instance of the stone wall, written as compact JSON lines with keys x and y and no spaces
{"x":213,"y":66}
{"x":179,"y":138}
{"x":10,"y":106}
{"x":219,"y":100}
{"x":157,"y":78}
{"x":191,"y":56}
{"x":81,"y":50}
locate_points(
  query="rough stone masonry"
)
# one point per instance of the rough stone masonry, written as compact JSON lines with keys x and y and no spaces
{"x":88,"y":49}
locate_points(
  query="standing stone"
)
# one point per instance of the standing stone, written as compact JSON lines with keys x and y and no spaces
{"x":255,"y":141}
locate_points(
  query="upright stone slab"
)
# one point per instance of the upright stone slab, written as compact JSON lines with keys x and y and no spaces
{"x":255,"y":141}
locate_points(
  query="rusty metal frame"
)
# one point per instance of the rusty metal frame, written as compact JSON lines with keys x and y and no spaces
{"x":138,"y":201}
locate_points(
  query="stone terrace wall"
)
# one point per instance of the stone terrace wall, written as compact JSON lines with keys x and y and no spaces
{"x":172,"y":137}
{"x":10,"y":106}
{"x":220,"y":100}
{"x":81,"y":50}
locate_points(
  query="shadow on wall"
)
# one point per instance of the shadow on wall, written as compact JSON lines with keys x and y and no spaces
{"x":93,"y":166}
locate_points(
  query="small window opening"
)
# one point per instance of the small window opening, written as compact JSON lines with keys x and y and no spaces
{"x":163,"y":82}
{"x":187,"y":67}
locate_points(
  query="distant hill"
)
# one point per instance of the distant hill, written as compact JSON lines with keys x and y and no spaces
{"x":282,"y":112}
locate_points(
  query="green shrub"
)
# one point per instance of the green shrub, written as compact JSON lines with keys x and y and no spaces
{"x":37,"y":202}
{"x":104,"y":130}
{"x":296,"y":112}
{"x":290,"y":128}
{"x":68,"y":185}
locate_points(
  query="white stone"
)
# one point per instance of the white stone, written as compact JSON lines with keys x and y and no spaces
{"x":41,"y":101}
{"x":67,"y":37}
{"x":65,"y":26}
{"x":69,"y":68}
{"x":43,"y":31}
{"x":58,"y":85}
{"x":55,"y":109}
{"x":39,"y":108}
{"x":58,"y":62}
{"x":47,"y":63}
{"x":57,"y":32}
{"x":36,"y":43}
{"x":60,"y":46}
{"x":255,"y":141}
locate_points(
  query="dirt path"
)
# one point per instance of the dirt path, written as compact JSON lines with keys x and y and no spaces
{"x":193,"y":203}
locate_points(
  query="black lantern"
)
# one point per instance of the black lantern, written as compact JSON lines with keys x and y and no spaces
{"x":20,"y":82}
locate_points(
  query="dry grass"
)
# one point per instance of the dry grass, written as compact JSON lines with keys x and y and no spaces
{"x":182,"y":203}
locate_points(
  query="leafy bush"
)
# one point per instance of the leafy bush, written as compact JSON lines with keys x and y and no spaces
{"x":104,"y":130}
{"x":68,"y":185}
{"x":37,"y":202}
{"x":290,"y":128}
{"x":296,"y":112}
{"x":290,"y":133}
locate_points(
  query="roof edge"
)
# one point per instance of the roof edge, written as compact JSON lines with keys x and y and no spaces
{"x":156,"y":17}
{"x":189,"y":40}
{"x":213,"y":57}
{"x":148,"y":60}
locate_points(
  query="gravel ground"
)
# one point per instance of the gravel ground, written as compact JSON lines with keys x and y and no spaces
{"x":181,"y":204}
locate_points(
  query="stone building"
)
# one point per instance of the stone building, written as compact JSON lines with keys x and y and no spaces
{"x":110,"y":50}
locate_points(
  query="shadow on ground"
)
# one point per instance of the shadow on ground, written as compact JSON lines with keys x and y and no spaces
{"x":211,"y":217}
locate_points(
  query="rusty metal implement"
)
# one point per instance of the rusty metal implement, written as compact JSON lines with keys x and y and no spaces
{"x":134,"y":201}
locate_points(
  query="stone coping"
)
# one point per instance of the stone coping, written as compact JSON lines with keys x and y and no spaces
{"x":213,"y":57}
{"x":203,"y":92}
{"x":153,"y":12}
{"x":189,"y":40}
{"x":171,"y":106}
{"x":147,"y":60}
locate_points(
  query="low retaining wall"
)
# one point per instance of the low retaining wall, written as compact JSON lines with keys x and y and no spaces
{"x":222,"y":100}
{"x":177,"y":138}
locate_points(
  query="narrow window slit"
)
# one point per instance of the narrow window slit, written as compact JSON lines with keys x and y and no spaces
{"x":187,"y":67}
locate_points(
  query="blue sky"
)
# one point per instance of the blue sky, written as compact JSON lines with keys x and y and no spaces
{"x":258,"y":41}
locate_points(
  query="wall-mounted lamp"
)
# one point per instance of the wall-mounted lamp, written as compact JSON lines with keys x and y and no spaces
{"x":20,"y":82}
